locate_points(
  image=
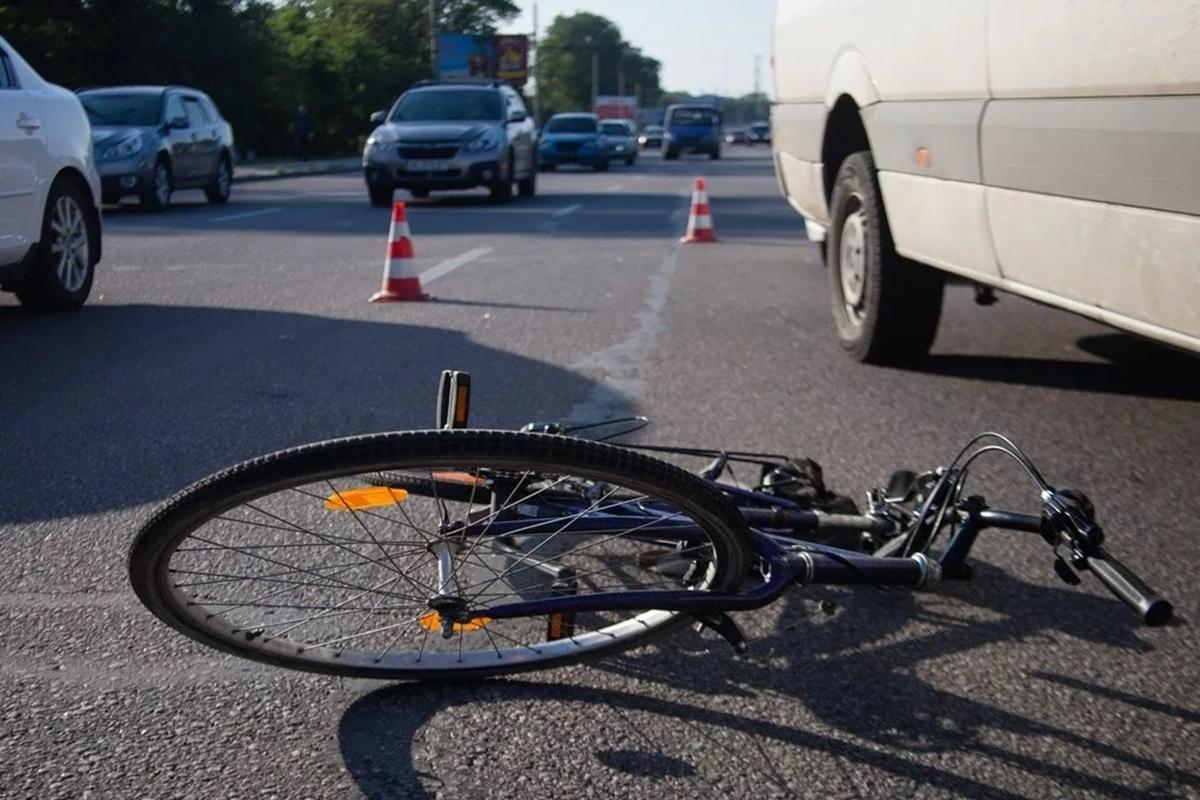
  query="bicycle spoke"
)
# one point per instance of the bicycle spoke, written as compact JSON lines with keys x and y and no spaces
{"x":550,"y":538}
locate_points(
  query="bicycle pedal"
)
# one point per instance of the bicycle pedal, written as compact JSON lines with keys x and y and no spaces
{"x":724,"y":625}
{"x":454,"y":399}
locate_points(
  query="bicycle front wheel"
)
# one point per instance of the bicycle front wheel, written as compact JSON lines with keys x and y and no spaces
{"x":306,"y":559}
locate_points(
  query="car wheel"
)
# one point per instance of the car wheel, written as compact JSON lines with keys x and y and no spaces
{"x":629,"y":161}
{"x":381,"y":196}
{"x":548,"y":167}
{"x":715,"y":154}
{"x":158,"y":196}
{"x":528,"y":187}
{"x":885,"y":307}
{"x":419,"y":194}
{"x":217,"y":192}
{"x":502,"y":189}
{"x":670,"y":155}
{"x":65,"y":261}
{"x":601,"y":166}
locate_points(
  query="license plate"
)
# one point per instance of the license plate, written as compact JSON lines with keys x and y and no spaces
{"x":424,"y":165}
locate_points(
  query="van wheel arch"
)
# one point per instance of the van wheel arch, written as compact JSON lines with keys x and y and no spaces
{"x":845,"y":134}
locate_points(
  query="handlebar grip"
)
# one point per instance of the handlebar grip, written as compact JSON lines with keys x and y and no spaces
{"x":1131,"y":589}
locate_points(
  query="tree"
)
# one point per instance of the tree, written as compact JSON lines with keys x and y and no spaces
{"x":258,"y":59}
{"x":474,"y":16}
{"x":565,"y":63}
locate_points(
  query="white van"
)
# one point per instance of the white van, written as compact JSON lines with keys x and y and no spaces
{"x":1049,"y":148}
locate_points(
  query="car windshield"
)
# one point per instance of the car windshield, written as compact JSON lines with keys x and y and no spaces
{"x":614,"y":129}
{"x":122,"y":109}
{"x":652,"y":129}
{"x":447,"y":106}
{"x":571,"y":125}
{"x":694,"y":116}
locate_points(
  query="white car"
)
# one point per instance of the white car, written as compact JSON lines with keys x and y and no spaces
{"x":49,"y":190}
{"x":1049,"y":148}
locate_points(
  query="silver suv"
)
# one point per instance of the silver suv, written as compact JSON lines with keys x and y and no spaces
{"x":452,"y":136}
{"x":152,"y":140}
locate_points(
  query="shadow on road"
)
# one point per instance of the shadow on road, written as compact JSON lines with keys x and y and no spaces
{"x":1133,"y":366}
{"x":114,"y":406}
{"x":866,"y":687}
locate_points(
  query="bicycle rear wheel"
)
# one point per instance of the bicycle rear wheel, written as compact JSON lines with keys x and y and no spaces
{"x":303,"y":559}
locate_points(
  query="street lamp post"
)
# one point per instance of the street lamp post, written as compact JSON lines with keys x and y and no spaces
{"x":433,"y":48}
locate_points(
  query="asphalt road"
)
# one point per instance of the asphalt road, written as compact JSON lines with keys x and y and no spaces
{"x":218,"y":333}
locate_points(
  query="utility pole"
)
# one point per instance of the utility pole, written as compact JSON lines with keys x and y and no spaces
{"x":595,"y":76}
{"x":621,"y":74}
{"x":537,"y":72}
{"x":757,"y":65}
{"x":433,"y":48}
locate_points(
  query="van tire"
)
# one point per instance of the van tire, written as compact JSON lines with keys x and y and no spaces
{"x":885,"y":307}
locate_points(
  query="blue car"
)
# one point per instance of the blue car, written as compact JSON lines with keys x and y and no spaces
{"x":573,"y":139}
{"x":692,"y":128}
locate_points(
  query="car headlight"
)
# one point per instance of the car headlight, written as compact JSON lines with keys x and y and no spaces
{"x":488,"y":141}
{"x":123,"y":149}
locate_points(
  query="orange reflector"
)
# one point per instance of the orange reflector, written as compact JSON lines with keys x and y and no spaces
{"x":460,"y":404}
{"x":923,"y":157}
{"x":432,"y":622}
{"x":458,"y":477}
{"x":366,"y":497}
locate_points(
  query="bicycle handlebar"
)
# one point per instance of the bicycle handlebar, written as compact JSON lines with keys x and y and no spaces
{"x":1131,"y":589}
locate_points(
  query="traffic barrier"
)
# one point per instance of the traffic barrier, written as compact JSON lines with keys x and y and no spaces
{"x":400,"y":279}
{"x":700,"y":223}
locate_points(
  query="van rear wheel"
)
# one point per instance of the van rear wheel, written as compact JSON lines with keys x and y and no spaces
{"x":885,"y":307}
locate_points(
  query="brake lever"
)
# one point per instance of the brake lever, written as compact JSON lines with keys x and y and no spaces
{"x":1068,"y":517}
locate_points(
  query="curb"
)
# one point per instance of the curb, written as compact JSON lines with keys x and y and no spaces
{"x":295,"y":172}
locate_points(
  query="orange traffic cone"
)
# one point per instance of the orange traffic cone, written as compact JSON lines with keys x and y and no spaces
{"x":400,"y":280}
{"x":700,"y":224}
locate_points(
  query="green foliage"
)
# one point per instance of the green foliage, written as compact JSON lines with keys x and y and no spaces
{"x":566,"y":53}
{"x":259,"y":60}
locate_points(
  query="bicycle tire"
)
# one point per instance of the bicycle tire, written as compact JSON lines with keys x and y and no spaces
{"x":206,"y":500}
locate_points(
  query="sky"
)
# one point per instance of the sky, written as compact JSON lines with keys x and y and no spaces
{"x":705,"y":46}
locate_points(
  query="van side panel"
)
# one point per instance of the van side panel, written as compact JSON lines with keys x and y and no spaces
{"x":1089,"y":153}
{"x":1093,"y":48}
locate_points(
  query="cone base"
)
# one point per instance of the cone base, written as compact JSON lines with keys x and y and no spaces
{"x":399,"y":290}
{"x":393,"y":297}
{"x":700,"y":238}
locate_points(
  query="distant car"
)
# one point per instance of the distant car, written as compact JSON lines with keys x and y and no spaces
{"x":651,"y":136}
{"x":735,"y":136}
{"x":452,"y":135}
{"x":151,"y":141}
{"x":573,"y":139}
{"x":622,"y":143}
{"x":49,"y":190}
{"x":758,"y":133}
{"x":692,"y":128}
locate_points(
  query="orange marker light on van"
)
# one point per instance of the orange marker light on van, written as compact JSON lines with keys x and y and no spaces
{"x":923,"y":157}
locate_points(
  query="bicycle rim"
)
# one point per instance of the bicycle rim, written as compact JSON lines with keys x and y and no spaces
{"x":299,"y":559}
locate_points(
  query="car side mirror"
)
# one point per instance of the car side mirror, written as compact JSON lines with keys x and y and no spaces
{"x":517,"y":116}
{"x":377,"y":117}
{"x":177,"y":123}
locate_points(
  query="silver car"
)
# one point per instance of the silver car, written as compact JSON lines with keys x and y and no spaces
{"x":622,"y":141}
{"x":151,"y":140}
{"x":445,"y":135}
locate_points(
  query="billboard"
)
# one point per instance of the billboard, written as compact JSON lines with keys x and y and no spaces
{"x":615,"y":106}
{"x":466,"y":56}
